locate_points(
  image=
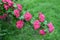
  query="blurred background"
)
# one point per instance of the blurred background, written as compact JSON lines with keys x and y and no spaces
{"x":50,"y":8}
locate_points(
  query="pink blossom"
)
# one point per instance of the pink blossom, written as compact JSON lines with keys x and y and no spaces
{"x":19,"y":7}
{"x":8,"y":0}
{"x":19,"y":24}
{"x":41,"y":17}
{"x":6,"y":6}
{"x":27,"y":16}
{"x":10,"y":3}
{"x":4,"y":1}
{"x":4,"y":16}
{"x":1,"y":17}
{"x":42,"y":32}
{"x":36,"y":24}
{"x":16,"y":13}
{"x":51,"y":27}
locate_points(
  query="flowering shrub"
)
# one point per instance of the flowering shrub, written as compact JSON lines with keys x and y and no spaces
{"x":10,"y":13}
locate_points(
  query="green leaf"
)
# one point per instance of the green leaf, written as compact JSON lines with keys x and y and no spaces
{"x":2,"y":34}
{"x":45,"y":22}
{"x":22,"y":17}
{"x":32,"y":20}
{"x":15,"y":5}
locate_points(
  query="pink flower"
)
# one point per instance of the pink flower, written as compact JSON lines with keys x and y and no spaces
{"x":6,"y":6}
{"x":19,"y":7}
{"x":42,"y":32}
{"x":1,"y":17}
{"x":41,"y":17}
{"x":4,"y":16}
{"x":16,"y":13}
{"x":51,"y":27}
{"x":10,"y":3}
{"x":8,"y":0}
{"x":4,"y":1}
{"x":19,"y":24}
{"x":27,"y":16}
{"x":36,"y":24}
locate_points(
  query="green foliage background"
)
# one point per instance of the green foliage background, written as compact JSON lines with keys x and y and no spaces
{"x":51,"y":9}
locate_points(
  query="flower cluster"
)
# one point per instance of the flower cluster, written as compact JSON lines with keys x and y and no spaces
{"x":15,"y":11}
{"x":37,"y":25}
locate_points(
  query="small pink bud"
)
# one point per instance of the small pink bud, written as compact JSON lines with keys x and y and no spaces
{"x":19,"y":24}
{"x":41,"y":17}
{"x":27,"y":16}
{"x":42,"y":32}
{"x":16,"y":13}
{"x":36,"y":24}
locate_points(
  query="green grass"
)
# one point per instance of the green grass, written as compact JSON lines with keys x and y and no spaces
{"x":51,"y":9}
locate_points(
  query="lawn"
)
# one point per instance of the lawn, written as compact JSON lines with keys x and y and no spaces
{"x":51,"y":10}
